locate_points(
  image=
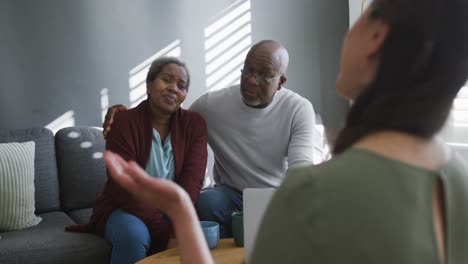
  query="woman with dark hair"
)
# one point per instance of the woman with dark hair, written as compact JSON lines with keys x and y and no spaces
{"x":166,"y":140}
{"x":393,"y":192}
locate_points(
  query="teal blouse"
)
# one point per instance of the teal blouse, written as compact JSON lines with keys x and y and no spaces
{"x":161,"y":160}
{"x":361,"y":207}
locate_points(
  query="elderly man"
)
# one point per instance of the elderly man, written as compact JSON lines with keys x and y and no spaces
{"x":256,"y":130}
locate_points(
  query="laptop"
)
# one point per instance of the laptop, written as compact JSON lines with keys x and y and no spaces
{"x":255,"y":203}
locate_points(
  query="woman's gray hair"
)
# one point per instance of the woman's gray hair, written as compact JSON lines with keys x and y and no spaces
{"x":158,"y":64}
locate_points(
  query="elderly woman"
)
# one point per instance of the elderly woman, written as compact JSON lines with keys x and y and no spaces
{"x":166,"y":140}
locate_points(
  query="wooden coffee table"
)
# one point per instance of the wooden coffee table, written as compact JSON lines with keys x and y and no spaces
{"x":224,"y":253}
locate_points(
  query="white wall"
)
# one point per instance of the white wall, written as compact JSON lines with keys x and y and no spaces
{"x":355,"y":9}
{"x":58,"y":55}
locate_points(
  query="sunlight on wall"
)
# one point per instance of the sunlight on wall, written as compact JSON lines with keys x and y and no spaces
{"x":227,"y":41}
{"x":356,"y":7}
{"x":455,"y":131}
{"x":104,"y":102}
{"x":460,"y":108}
{"x":65,"y":120}
{"x":137,"y":75}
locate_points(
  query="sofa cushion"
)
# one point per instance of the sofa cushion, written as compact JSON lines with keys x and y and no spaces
{"x":81,"y":168}
{"x":17,"y":186}
{"x":45,"y":168}
{"x":81,"y":216}
{"x":49,"y":243}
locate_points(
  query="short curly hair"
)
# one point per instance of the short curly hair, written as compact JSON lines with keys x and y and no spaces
{"x":158,"y":64}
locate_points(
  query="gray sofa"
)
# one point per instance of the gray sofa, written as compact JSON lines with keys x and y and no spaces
{"x":69,"y":172}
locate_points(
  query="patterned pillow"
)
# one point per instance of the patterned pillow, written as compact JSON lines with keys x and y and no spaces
{"x":17,"y":186}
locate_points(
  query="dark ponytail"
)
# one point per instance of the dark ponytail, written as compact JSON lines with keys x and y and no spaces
{"x":423,"y":64}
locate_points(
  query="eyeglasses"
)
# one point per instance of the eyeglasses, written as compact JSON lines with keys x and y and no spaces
{"x":259,"y":78}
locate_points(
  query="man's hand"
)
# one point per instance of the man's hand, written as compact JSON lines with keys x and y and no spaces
{"x":109,"y":119}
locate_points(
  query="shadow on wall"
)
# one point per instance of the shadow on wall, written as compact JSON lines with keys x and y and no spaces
{"x":65,"y":120}
{"x":104,"y":102}
{"x":455,"y":131}
{"x":137,"y":75}
{"x":68,"y":119}
{"x":227,"y":41}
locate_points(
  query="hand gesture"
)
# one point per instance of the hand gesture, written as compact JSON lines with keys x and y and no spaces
{"x":162,"y":194}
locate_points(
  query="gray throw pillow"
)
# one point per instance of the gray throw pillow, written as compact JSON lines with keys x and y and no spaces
{"x":17,"y":186}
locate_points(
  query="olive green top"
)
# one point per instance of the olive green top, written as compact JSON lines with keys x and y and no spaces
{"x":361,"y":207}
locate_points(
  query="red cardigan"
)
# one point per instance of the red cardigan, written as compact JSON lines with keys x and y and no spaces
{"x":131,"y":137}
